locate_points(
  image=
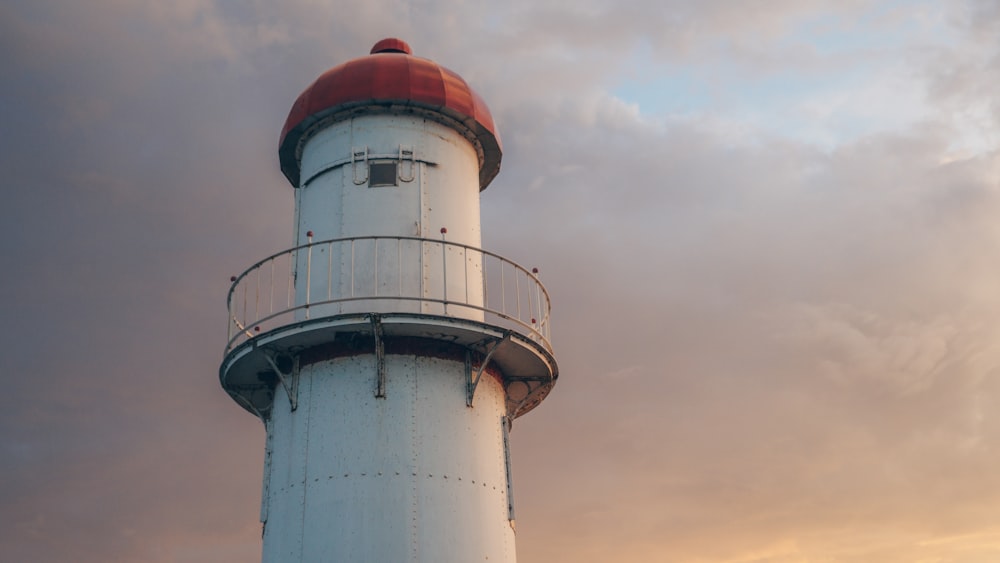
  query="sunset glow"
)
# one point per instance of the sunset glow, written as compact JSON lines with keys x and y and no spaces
{"x":769,"y":230}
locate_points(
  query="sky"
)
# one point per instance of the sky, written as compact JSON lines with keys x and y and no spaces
{"x":768,"y":229}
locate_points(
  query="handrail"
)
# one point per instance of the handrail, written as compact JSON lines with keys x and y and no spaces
{"x":418,"y":275}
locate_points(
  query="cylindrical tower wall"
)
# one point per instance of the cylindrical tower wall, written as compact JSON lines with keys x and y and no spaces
{"x":415,"y":476}
{"x":390,"y":175}
{"x":387,"y":419}
{"x":444,"y":192}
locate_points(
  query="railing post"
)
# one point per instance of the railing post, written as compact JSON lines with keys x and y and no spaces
{"x":444,"y":266}
{"x":536,"y":316}
{"x":270,"y":304}
{"x":244,"y":302}
{"x":232,"y":314}
{"x":503,"y":291}
{"x":531,"y":309}
{"x":517,"y":292}
{"x":483,"y":257}
{"x":309,"y":263}
{"x":290,"y":281}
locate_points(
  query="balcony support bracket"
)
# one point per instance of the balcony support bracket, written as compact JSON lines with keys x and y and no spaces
{"x":470,"y":382}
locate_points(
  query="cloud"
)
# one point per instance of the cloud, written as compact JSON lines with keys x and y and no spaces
{"x":771,"y":348}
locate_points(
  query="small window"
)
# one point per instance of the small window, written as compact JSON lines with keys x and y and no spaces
{"x":383,"y":174}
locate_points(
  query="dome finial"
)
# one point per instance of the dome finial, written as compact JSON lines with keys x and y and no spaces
{"x":392,"y":45}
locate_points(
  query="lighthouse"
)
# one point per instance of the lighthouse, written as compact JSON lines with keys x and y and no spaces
{"x":386,"y":352}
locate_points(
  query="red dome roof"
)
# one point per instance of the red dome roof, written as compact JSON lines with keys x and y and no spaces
{"x":391,"y":80}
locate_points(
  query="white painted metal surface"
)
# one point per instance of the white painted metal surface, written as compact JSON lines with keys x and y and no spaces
{"x":436,"y":196}
{"x":444,"y":191}
{"x":416,"y":476}
{"x":386,"y":352}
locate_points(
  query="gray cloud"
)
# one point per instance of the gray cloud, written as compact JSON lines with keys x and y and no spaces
{"x":771,"y":351}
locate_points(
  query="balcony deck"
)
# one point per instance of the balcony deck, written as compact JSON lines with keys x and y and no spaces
{"x":384,"y":289}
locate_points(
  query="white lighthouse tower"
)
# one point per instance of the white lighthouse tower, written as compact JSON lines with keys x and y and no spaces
{"x":386,"y":352}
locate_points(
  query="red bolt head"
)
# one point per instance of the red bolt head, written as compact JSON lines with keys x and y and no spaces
{"x":444,"y":230}
{"x":534,"y":270}
{"x":309,"y":233}
{"x":256,"y":329}
{"x":533,"y":321}
{"x":232,"y":278}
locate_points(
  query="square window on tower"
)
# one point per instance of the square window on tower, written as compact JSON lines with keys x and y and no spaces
{"x":383,"y":173}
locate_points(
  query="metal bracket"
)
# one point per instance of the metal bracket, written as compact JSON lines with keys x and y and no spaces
{"x":470,"y":383}
{"x":401,"y":155}
{"x":379,"y":356}
{"x":359,"y":155}
{"x":406,"y":153}
{"x":265,"y":494}
{"x":538,"y":381}
{"x":505,"y":427}
{"x":249,"y":406}
{"x":290,"y":380}
{"x":521,"y":403}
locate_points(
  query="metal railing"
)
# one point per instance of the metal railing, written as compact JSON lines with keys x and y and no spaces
{"x":386,"y":275}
